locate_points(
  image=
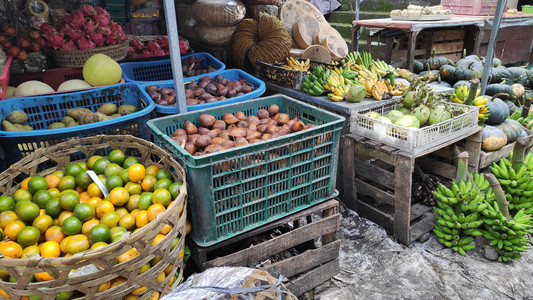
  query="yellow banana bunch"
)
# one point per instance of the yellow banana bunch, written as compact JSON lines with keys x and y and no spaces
{"x":480,"y":101}
{"x":379,"y":89}
{"x":397,"y":89}
{"x":297,"y":65}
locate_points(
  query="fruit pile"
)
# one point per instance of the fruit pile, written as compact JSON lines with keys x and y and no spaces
{"x":157,"y":47}
{"x":235,"y":130}
{"x":20,"y":45}
{"x":65,"y":212}
{"x":209,"y":89}
{"x":86,"y":28}
{"x":193,"y":66}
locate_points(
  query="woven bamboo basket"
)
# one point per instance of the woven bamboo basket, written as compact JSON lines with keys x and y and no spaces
{"x":102,"y":261}
{"x":77,"y":58}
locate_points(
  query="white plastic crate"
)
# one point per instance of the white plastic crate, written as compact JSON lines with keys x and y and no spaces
{"x":414,"y":140}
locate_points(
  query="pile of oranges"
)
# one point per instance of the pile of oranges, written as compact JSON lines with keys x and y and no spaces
{"x":66,"y":212}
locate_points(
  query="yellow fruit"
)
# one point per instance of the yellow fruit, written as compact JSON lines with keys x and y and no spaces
{"x":101,"y":69}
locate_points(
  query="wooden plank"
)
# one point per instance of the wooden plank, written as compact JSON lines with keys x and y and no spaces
{"x":332,"y":236}
{"x":453,"y":56}
{"x":448,"y":35}
{"x":419,"y":209}
{"x":426,"y":224}
{"x":447,"y":47}
{"x":350,"y":192}
{"x":366,"y":189}
{"x":374,"y":173}
{"x":437,"y":167}
{"x":313,"y":278}
{"x":375,"y":215}
{"x":403,"y":53}
{"x":305,"y":261}
{"x":278,"y":244}
{"x":473,"y":147}
{"x":402,"y":205}
{"x":390,"y":158}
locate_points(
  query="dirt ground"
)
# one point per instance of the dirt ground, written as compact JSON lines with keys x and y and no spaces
{"x":374,"y":266}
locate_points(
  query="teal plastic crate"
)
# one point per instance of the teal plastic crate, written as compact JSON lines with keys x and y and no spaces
{"x":238,"y":189}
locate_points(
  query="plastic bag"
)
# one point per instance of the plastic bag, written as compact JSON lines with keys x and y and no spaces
{"x":231,"y":283}
{"x":219,"y":12}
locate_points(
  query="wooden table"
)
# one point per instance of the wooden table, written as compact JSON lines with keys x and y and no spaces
{"x":413,"y":28}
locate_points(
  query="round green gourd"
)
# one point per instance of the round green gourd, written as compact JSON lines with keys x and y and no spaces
{"x":493,"y":138}
{"x":512,"y":129}
{"x":447,"y":72}
{"x":498,"y":111}
{"x":496,"y":88}
{"x":418,"y":66}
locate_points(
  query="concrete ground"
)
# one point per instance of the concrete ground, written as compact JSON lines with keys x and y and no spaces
{"x":374,"y":266}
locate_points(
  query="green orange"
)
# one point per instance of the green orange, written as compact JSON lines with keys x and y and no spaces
{"x":71,"y":226}
{"x":37,"y":183}
{"x":145,"y":200}
{"x":84,"y":211}
{"x":69,"y":199}
{"x":133,"y":188}
{"x":110,"y":219}
{"x":53,"y":208}
{"x":67,"y":183}
{"x":162,"y":196}
{"x":6,"y":203}
{"x":22,"y":194}
{"x":117,"y":156}
{"x":112,"y":169}
{"x":113,"y":181}
{"x":100,"y":233}
{"x":91,"y":160}
{"x":29,"y":235}
{"x":83,"y":179}
{"x":99,"y":165}
{"x":43,"y":222}
{"x":174,"y":189}
{"x":117,"y":231}
{"x":163,"y":183}
{"x":73,"y":169}
{"x":27,"y":212}
{"x":127,"y":221}
{"x":129,"y":161}
{"x":42,"y":197}
{"x":163,"y":173}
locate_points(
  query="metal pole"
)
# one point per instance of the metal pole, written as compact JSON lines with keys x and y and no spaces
{"x":175,"y":57}
{"x":492,"y":42}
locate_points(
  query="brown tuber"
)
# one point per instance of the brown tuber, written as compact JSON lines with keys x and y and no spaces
{"x":202,"y":142}
{"x":219,"y":124}
{"x":242,"y":124}
{"x":273,"y":110}
{"x":190,"y":147}
{"x":240,"y":115}
{"x":253,"y":135}
{"x":298,"y":126}
{"x":203,"y":130}
{"x":190,"y":127}
{"x":262,"y":114}
{"x":238,"y":132}
{"x":179,"y":131}
{"x":282,"y":119}
{"x":229,"y":118}
{"x":180,"y":139}
{"x":207,"y":120}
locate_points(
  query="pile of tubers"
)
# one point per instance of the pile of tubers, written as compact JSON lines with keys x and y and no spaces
{"x":192,"y":66}
{"x":235,"y":130}
{"x":161,"y":95}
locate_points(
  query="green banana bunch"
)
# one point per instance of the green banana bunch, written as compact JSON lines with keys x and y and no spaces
{"x":525,"y":121}
{"x":517,"y":185}
{"x":360,"y":58}
{"x":352,"y":56}
{"x":314,"y":83}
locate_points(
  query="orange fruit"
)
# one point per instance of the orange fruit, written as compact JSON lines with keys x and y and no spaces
{"x":53,"y":208}
{"x":135,"y":212}
{"x":117,"y":156}
{"x":52,"y":180}
{"x":43,"y":276}
{"x":136,"y":172}
{"x":41,"y":198}
{"x":6,"y":217}
{"x":174,"y":243}
{"x":166,"y":229}
{"x":127,"y":255}
{"x":87,"y":226}
{"x":189,"y":227}
{"x":110,"y":219}
{"x":154,"y":210}
{"x":30,"y":250}
{"x":155,"y":296}
{"x":155,"y":260}
{"x":139,"y":291}
{"x":163,"y":183}
{"x":6,"y":203}
{"x":161,"y":196}
{"x":55,"y":234}
{"x":13,"y":228}
{"x":67,"y":183}
{"x":119,"y":196}
{"x":151,"y":170}
{"x":84,"y":211}
{"x":133,"y":188}
{"x":92,"y":160}
{"x":63,"y":216}
{"x":69,"y":199}
{"x":104,"y":207}
{"x":55,"y":192}
{"x":167,"y":270}
{"x":99,"y":165}
{"x":158,"y":238}
{"x":112,"y":169}
{"x":113,"y":181}
{"x":127,"y":221}
{"x":77,"y":243}
{"x":59,"y":173}
{"x":79,"y":189}
{"x":144,"y":268}
{"x":130,"y":297}
{"x":50,"y":249}
{"x":161,"y":277}
{"x":63,"y":244}
{"x":71,"y":226}
{"x":121,"y":211}
{"x":28,"y":235}
{"x":84,"y":197}
{"x":27,"y":212}
{"x":24,"y":183}
{"x":42,"y":223}
{"x":73,"y":169}
{"x":94,"y":201}
{"x":148,"y":183}
{"x":4,"y":294}
{"x":145,"y":200}
{"x":129,"y":161}
{"x":98,"y":245}
{"x":102,"y":178}
{"x":117,"y":231}
{"x":163,"y":173}
{"x":94,"y":191}
{"x":117,"y":281}
{"x":104,"y":286}
{"x":133,"y":202}
{"x":10,"y":249}
{"x":141,"y":218}
{"x":22,"y":194}
{"x":65,"y":295}
{"x":99,"y":233}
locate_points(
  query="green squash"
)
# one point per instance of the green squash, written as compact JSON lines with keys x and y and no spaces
{"x":512,"y":129}
{"x":447,"y":72}
{"x":514,"y":75}
{"x":463,"y":74}
{"x":479,"y":66}
{"x":498,"y":111}
{"x":496,"y":74}
{"x":497,"y":88}
{"x":473,"y":57}
{"x":496,"y":62}
{"x":461,"y":82}
{"x":418,"y":66}
{"x":493,"y":138}
{"x":511,"y":105}
{"x":464,"y":63}
{"x":518,"y":90}
{"x":434,"y":63}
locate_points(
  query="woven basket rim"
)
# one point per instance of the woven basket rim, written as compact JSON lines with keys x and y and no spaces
{"x":99,"y":49}
{"x":94,"y":254}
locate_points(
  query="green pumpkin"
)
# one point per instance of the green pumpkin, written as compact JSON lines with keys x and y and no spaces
{"x":418,"y":66}
{"x":434,"y":63}
{"x":447,"y":72}
{"x":464,"y":63}
{"x":498,"y":111}
{"x":512,"y":129}
{"x":511,"y":105}
{"x":518,"y":90}
{"x":433,"y":72}
{"x":461,"y":82}
{"x":514,"y":75}
{"x":496,"y":76}
{"x":497,"y":88}
{"x":463,"y":74}
{"x":473,"y":57}
{"x":479,"y":66}
{"x":493,"y":138}
{"x":496,"y":62}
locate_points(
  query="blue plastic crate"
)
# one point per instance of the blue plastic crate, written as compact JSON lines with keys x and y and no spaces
{"x":231,"y":74}
{"x":158,"y":70}
{"x":45,"y":110}
{"x":238,"y":189}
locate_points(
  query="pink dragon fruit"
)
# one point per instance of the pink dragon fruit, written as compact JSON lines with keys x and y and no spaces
{"x":153,"y":47}
{"x":85,"y":43}
{"x":87,"y":11}
{"x":146,"y":54}
{"x":90,"y":26}
{"x":122,"y":37}
{"x":71,"y":31}
{"x":101,"y":20}
{"x":116,"y":27}
{"x":162,"y":41}
{"x":46,"y":28}
{"x":97,"y":38}
{"x":68,"y":46}
{"x":77,"y":19}
{"x":111,"y":39}
{"x":54,"y":40}
{"x":184,"y":46}
{"x":159,"y":53}
{"x":136,"y":44}
{"x":102,"y":12}
{"x":105,"y":31}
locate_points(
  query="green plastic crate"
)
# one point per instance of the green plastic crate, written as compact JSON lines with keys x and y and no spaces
{"x":238,"y":189}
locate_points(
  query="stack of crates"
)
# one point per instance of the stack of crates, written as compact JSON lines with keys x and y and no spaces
{"x":117,"y":9}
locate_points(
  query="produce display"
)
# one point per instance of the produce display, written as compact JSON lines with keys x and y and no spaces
{"x":235,"y":130}
{"x":208,"y":90}
{"x":193,"y":66}
{"x":20,"y":45}
{"x":16,"y":120}
{"x":415,"y":10}
{"x":66,"y":212}
{"x":85,"y":28}
{"x":157,"y":47}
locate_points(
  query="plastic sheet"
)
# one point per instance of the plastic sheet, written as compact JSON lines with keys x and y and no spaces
{"x":219,"y":12}
{"x":233,"y":283}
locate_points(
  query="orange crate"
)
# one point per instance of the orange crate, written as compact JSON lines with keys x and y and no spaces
{"x":471,"y":7}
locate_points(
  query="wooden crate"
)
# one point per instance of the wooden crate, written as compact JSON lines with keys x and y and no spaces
{"x":487,"y":158}
{"x":311,"y":264}
{"x":378,"y":180}
{"x":447,"y":43}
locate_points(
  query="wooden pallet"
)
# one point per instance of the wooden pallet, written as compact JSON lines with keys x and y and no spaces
{"x":378,"y":180}
{"x":487,"y":158}
{"x":312,"y":265}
